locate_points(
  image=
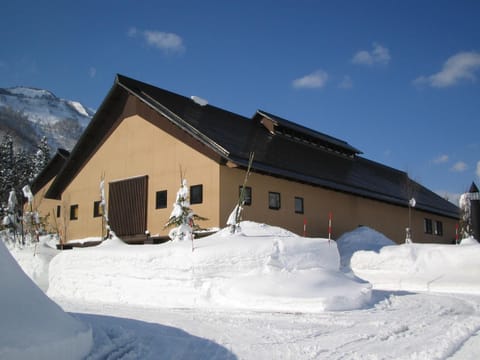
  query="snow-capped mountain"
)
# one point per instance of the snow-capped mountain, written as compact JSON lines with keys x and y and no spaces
{"x":28,"y":114}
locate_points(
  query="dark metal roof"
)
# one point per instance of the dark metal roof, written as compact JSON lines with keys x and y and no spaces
{"x":51,"y":170}
{"x":305,"y":134}
{"x":293,"y":152}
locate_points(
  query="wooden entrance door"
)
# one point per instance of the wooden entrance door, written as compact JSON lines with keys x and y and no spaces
{"x":127,"y":207}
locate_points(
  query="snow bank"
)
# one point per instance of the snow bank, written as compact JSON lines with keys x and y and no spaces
{"x":33,"y":326}
{"x":260,"y":268}
{"x":35,"y":260}
{"x":362,"y":238}
{"x":422,"y":267}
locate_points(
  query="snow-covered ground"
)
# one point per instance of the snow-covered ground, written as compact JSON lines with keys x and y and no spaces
{"x":269,"y":294}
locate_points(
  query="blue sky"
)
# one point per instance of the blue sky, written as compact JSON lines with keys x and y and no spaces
{"x":400,"y":80}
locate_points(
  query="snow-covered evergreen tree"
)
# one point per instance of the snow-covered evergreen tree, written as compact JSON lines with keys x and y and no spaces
{"x":465,"y":217}
{"x":7,"y":165}
{"x":182,"y":216}
{"x":41,"y":157}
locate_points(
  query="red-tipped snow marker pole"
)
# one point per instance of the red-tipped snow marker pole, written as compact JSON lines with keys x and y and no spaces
{"x":304,"y":227}
{"x":330,"y":216}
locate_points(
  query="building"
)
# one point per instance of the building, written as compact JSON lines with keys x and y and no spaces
{"x":142,"y":137}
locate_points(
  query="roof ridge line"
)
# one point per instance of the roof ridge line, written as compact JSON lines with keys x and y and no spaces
{"x":177,"y":120}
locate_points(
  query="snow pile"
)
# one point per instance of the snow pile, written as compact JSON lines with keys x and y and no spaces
{"x":33,"y":326}
{"x":260,"y":268}
{"x":362,"y":238}
{"x":422,"y":267}
{"x":35,"y":259}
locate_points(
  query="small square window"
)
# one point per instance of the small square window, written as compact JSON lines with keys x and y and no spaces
{"x":273,"y":200}
{"x":247,"y":195}
{"x":427,"y":226}
{"x":74,"y":212}
{"x":298,"y":205}
{"x":161,"y":199}
{"x":196,"y":194}
{"x":97,"y":209}
{"x":59,"y":211}
{"x":438,"y":228}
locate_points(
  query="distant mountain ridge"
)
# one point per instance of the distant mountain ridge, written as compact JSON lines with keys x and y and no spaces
{"x":28,"y":114}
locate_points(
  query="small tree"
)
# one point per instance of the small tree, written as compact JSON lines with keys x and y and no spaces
{"x":182,"y":216}
{"x":465,"y":216}
{"x":236,"y":215}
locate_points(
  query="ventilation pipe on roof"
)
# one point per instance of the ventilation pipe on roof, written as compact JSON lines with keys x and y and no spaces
{"x":198,"y":100}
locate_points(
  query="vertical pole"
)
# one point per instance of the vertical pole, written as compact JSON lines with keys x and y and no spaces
{"x":330,"y":216}
{"x":456,"y":234}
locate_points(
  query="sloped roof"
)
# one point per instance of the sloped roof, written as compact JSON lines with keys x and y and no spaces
{"x":51,"y":170}
{"x":282,"y":148}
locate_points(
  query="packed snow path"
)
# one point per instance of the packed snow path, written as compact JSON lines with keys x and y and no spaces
{"x":397,"y":326}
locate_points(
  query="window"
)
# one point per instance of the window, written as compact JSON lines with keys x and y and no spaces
{"x":59,"y":211}
{"x":298,"y":205}
{"x":97,"y":209}
{"x":273,"y":200}
{"x":438,"y":228}
{"x":247,"y":195}
{"x":427,"y":226}
{"x":196,"y":194}
{"x":74,"y":212}
{"x":161,"y":199}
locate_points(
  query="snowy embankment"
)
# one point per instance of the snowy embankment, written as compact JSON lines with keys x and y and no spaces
{"x":32,"y":326}
{"x":261,"y":268}
{"x":421,"y":267}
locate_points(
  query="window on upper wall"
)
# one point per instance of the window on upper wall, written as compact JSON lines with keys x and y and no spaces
{"x":59,"y":211}
{"x":273,"y":200}
{"x":161,"y":199}
{"x":74,"y":212}
{"x":438,"y":228}
{"x":97,"y":209}
{"x":247,"y":195}
{"x":427,"y":226}
{"x":298,"y":205}
{"x":196,"y":194}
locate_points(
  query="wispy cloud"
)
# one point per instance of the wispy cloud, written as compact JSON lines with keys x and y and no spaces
{"x":346,"y":83}
{"x":457,"y":68}
{"x":441,"y":159}
{"x":166,"y":42}
{"x":92,"y":72}
{"x":378,"y":55}
{"x":459,"y":166}
{"x":317,"y":79}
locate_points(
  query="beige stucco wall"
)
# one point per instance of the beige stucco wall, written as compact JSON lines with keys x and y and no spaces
{"x":348,"y":211}
{"x":137,"y":148}
{"x":46,"y":208}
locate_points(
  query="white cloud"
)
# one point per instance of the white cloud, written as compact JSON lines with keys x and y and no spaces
{"x":461,"y":66}
{"x":167,"y":42}
{"x":459,"y":166}
{"x":478,"y":170}
{"x":164,"y":41}
{"x":92,"y":72}
{"x":317,"y":79}
{"x":378,"y":55}
{"x":346,"y":83}
{"x":441,"y":159}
